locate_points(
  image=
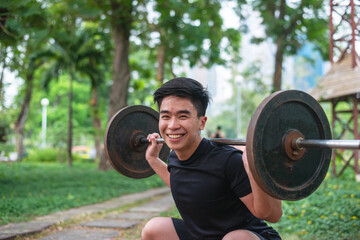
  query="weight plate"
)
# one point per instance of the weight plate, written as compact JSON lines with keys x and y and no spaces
{"x":120,"y":134}
{"x":273,"y":170}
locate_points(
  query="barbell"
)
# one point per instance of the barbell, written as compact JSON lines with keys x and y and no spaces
{"x":288,"y":143}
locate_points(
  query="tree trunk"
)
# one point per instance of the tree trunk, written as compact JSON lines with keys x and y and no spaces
{"x":121,"y":24}
{"x":278,"y":66}
{"x":121,"y":75}
{"x":279,"y":55}
{"x":161,"y":64}
{"x":69,"y":137}
{"x":3,"y":57}
{"x":20,"y":122}
{"x":96,"y":121}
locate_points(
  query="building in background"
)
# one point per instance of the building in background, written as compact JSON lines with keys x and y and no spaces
{"x":303,"y":70}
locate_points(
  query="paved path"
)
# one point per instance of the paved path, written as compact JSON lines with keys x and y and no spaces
{"x":105,"y":228}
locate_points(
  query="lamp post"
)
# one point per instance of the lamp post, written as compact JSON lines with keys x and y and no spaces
{"x":44,"y":103}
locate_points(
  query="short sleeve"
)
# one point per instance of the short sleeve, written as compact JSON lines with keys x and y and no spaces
{"x":237,"y":176}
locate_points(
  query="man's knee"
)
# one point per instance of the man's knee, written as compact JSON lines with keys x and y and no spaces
{"x":240,"y":234}
{"x":157,"y":228}
{"x":150,"y":229}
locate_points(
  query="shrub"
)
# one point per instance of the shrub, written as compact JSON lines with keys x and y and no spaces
{"x":49,"y":155}
{"x":42,"y":155}
{"x":6,"y":147}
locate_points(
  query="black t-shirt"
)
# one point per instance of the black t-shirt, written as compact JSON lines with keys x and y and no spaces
{"x":206,"y":189}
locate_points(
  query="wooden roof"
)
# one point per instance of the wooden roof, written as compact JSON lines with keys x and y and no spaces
{"x":342,"y":80}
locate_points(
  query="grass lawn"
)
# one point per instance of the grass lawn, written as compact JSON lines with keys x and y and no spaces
{"x":34,"y":189}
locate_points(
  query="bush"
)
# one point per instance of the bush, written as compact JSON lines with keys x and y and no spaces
{"x":42,"y":155}
{"x":49,"y":155}
{"x":6,"y":147}
{"x":331,"y":212}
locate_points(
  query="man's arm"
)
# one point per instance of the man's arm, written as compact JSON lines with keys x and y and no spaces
{"x":258,"y":202}
{"x":152,"y":156}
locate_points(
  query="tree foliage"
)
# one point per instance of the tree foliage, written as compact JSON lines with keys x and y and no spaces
{"x":121,"y":50}
{"x":291,"y":24}
{"x":23,"y":29}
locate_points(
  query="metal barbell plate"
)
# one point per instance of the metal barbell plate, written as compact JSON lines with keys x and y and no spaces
{"x":121,"y":131}
{"x":274,"y":171}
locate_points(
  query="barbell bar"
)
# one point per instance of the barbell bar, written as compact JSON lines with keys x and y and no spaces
{"x":299,"y":143}
{"x":288,"y":143}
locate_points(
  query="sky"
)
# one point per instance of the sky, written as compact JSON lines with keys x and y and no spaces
{"x":11,"y":85}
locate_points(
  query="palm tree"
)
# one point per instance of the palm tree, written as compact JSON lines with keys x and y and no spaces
{"x":73,"y":54}
{"x":20,"y":44}
{"x":28,"y":72}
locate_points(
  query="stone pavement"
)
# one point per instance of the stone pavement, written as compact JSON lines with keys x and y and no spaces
{"x":108,"y":227}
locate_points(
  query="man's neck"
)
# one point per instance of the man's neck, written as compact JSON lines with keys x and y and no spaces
{"x":184,"y":155}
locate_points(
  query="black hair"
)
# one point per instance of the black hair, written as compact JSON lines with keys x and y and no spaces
{"x":185,"y":88}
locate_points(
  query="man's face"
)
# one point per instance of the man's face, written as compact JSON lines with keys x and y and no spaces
{"x":180,"y":126}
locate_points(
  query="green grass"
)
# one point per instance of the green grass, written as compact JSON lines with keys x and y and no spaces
{"x":332,"y":212}
{"x":34,"y":189}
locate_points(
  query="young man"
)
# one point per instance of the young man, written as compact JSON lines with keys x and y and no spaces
{"x":211,"y":184}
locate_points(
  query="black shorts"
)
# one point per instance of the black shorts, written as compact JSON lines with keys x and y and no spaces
{"x":181,"y":229}
{"x":183,"y":233}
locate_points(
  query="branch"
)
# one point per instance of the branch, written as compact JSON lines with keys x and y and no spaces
{"x":6,"y":31}
{"x":171,"y":68}
{"x":295,"y":19}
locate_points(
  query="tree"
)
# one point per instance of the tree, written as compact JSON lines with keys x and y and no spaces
{"x":95,"y":70}
{"x":73,"y":53}
{"x":191,"y":32}
{"x":5,"y":37}
{"x":28,"y":71}
{"x":290,"y":25}
{"x":22,"y":32}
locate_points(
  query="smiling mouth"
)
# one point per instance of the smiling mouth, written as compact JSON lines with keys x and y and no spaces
{"x":175,"y":136}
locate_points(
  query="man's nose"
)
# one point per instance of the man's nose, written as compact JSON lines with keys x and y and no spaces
{"x":173,"y":124}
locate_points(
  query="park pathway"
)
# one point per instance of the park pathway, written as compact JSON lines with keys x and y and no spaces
{"x":108,"y":226}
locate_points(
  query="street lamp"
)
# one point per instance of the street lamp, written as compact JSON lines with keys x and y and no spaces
{"x":44,"y":103}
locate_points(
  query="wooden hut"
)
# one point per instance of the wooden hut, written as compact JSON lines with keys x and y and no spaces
{"x":341,"y":87}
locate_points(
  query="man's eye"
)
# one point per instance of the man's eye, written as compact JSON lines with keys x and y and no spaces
{"x":165,"y":117}
{"x":183,"y":117}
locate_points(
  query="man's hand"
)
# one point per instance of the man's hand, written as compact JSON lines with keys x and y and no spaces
{"x":154,"y":148}
{"x":152,"y":156}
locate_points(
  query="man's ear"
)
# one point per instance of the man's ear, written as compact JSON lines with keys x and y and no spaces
{"x":203,"y":120}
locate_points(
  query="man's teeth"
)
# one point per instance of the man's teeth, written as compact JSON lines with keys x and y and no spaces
{"x":175,"y":136}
